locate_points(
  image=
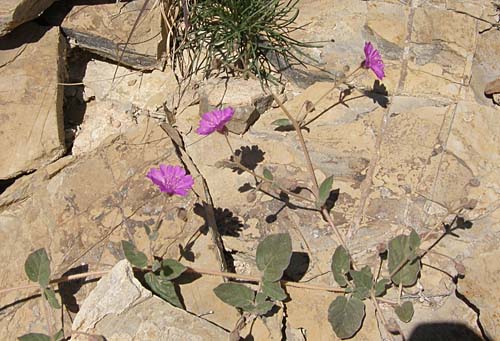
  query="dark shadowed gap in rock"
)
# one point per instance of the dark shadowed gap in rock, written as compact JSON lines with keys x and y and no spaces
{"x":55,"y":14}
{"x":463,"y":298}
{"x":6,"y":183}
{"x":75,"y":101}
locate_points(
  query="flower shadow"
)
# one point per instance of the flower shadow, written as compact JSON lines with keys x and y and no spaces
{"x":248,"y":156}
{"x":227,"y":223}
{"x":378,"y":94}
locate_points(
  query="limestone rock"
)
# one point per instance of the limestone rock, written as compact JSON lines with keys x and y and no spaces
{"x":15,"y":12}
{"x":115,"y":293}
{"x":104,"y":29}
{"x":492,"y":87}
{"x":80,"y":209}
{"x":115,"y":106}
{"x":119,"y":308}
{"x":480,"y":285}
{"x":31,"y":100}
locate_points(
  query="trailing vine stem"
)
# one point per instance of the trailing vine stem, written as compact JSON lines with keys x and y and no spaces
{"x":241,"y":277}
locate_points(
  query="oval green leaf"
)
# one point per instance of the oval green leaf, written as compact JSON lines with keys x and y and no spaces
{"x":134,"y":256}
{"x":50,"y":296}
{"x":405,"y":311}
{"x":341,"y":263}
{"x":282,"y":122}
{"x":163,"y":288}
{"x":34,"y":337}
{"x":381,"y":287}
{"x":401,"y":250}
{"x":274,"y":290}
{"x":267,"y":174}
{"x":346,"y":316}
{"x":37,"y":267}
{"x":171,"y":269}
{"x":273,"y":256}
{"x":324,"y":191}
{"x":363,"y":281}
{"x":236,"y":295}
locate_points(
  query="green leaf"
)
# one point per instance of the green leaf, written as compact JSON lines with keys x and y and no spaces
{"x":154,"y":235}
{"x":171,"y":269}
{"x":341,"y":263}
{"x":134,"y":256}
{"x":156,"y":265}
{"x":274,"y":290}
{"x":273,"y":256}
{"x":37,"y":267}
{"x":236,"y":295}
{"x":403,"y":248}
{"x":324,"y":191}
{"x":363,"y":281}
{"x":346,"y":316}
{"x":263,"y":308}
{"x":282,"y":122}
{"x":405,"y":311}
{"x":163,"y":288}
{"x":262,"y":305}
{"x":267,"y":174}
{"x":34,"y":337}
{"x":414,"y":240}
{"x":50,"y":296}
{"x":59,"y":335}
{"x":381,"y":287}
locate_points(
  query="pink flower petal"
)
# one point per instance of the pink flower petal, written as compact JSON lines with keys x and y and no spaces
{"x":171,"y":179}
{"x":214,"y":120}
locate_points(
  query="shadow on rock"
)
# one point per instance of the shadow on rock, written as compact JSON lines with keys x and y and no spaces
{"x":249,"y":157}
{"x":299,"y":264}
{"x":443,"y":331}
{"x":227,"y":223}
{"x":378,"y":94}
{"x":67,"y":290}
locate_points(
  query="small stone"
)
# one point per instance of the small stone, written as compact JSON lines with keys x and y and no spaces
{"x":475,"y":182}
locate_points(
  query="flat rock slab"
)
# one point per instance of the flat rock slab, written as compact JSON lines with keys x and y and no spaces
{"x":105,"y":29}
{"x":16,"y":12}
{"x":119,"y":308}
{"x":31,"y":102}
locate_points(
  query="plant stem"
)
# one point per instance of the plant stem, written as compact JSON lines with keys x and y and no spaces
{"x":335,"y":85}
{"x":228,"y":143}
{"x":381,"y":314}
{"x":310,"y":167}
{"x":258,"y":279}
{"x":261,"y":178}
{"x":249,"y":278}
{"x":46,"y":312}
{"x":330,"y":221}
{"x":58,"y":280}
{"x":302,"y":143}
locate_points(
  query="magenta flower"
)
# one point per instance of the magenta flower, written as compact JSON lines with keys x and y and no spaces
{"x":171,"y":179}
{"x":373,"y":60}
{"x":215,"y":120}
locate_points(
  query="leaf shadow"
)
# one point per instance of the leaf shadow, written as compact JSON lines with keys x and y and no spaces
{"x":67,"y":290}
{"x":299,"y":264}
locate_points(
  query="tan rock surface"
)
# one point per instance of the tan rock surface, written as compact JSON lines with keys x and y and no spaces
{"x":132,"y":313}
{"x":405,"y":160}
{"x":80,"y":211}
{"x":31,"y":129}
{"x":104,"y":29}
{"x":15,"y":12}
